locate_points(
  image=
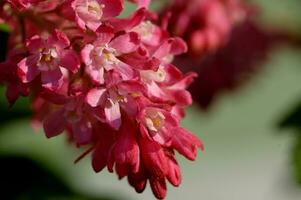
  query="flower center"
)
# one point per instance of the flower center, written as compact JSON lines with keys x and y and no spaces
{"x":90,"y":10}
{"x":154,"y":121}
{"x":150,"y":75}
{"x":48,"y":59}
{"x":72,"y":116}
{"x":108,"y":55}
{"x":120,"y":99}
{"x":104,"y":57}
{"x":168,"y":59}
{"x":49,"y":54}
{"x":135,"y":94}
{"x":95,"y":9}
{"x":145,"y":29}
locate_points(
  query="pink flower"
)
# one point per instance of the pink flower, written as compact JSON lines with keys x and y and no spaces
{"x":74,"y":116}
{"x":155,"y":124}
{"x":125,"y":153}
{"x":91,"y":13}
{"x":146,"y":154}
{"x":232,"y":66}
{"x":167,"y":84}
{"x":103,"y":55}
{"x":105,"y":82}
{"x":39,"y":5}
{"x":164,"y":128}
{"x":158,"y":164}
{"x":158,"y":126}
{"x":47,"y":58}
{"x":150,"y":33}
{"x":204,"y":24}
{"x":113,"y":99}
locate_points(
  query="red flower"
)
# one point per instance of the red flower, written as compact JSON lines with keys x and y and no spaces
{"x":105,"y":82}
{"x":233,"y":65}
{"x":47,"y":57}
{"x":204,"y":24}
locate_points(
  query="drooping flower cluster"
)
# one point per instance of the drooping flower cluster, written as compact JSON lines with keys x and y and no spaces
{"x":204,"y":24}
{"x":107,"y":82}
{"x":226,"y":45}
{"x":231,"y":66}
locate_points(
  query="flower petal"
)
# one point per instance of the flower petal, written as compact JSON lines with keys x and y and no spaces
{"x":113,"y":115}
{"x":97,"y":75}
{"x":69,"y":60}
{"x":52,"y":79}
{"x":158,"y":187}
{"x":126,"y":43}
{"x":129,"y":23}
{"x":82,"y":131}
{"x":126,"y":152}
{"x":54,"y":124}
{"x":112,"y":8}
{"x":86,"y":54}
{"x":95,"y":97}
{"x":138,"y":180}
{"x":59,"y":39}
{"x":186,"y":143}
{"x":27,"y":68}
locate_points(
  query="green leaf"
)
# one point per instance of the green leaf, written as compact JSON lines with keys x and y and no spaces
{"x":4,"y":28}
{"x":21,"y":109}
{"x":297,"y":159}
{"x":26,"y":179}
{"x":292,"y":119}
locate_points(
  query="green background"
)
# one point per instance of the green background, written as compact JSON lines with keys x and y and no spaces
{"x":246,"y":155}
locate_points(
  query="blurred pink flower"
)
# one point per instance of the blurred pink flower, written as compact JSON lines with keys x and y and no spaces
{"x":204,"y":24}
{"x":91,"y":13}
{"x":232,"y":66}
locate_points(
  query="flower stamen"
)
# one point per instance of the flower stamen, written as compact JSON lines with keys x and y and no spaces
{"x":154,"y":121}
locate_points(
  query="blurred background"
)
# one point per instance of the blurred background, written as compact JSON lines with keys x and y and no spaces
{"x":251,"y":128}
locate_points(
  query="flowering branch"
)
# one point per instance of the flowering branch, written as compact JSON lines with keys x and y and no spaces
{"x":106,"y":82}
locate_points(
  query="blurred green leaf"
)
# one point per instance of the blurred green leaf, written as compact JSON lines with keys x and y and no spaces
{"x":282,"y":14}
{"x":24,"y":179}
{"x":297,"y":158}
{"x":21,"y":109}
{"x":4,"y":28}
{"x":129,"y":8}
{"x":293,"y":118}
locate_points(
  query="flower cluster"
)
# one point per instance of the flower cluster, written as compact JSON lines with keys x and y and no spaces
{"x":204,"y":24}
{"x":107,"y":82}
{"x":226,"y":45}
{"x":232,"y":66}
